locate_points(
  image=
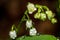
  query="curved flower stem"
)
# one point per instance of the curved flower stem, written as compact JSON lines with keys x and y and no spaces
{"x":45,"y":7}
{"x":19,"y":25}
{"x":13,"y":27}
{"x":23,"y":19}
{"x":39,"y":7}
{"x":27,"y":14}
{"x":39,"y":10}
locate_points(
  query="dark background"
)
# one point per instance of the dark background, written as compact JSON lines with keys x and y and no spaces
{"x":11,"y":11}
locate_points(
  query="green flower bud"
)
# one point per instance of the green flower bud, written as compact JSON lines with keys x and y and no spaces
{"x":43,"y":16}
{"x":31,"y":8}
{"x":50,"y":14}
{"x":37,"y":15}
{"x":53,"y":20}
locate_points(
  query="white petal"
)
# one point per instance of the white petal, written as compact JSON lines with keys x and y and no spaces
{"x":30,"y":12}
{"x":35,"y":9}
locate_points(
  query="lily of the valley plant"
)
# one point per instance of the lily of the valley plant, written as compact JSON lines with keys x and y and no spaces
{"x":42,"y":13}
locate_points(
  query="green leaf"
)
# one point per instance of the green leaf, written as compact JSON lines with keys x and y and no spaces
{"x":41,"y":37}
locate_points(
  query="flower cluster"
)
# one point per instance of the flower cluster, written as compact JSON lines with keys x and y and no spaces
{"x":42,"y":13}
{"x":51,"y":16}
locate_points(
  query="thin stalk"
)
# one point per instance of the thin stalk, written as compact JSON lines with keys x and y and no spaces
{"x":19,"y":25}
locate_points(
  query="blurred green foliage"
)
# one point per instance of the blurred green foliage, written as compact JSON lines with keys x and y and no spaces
{"x":58,"y":8}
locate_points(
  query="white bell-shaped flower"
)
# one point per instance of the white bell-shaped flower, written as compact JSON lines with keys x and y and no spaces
{"x":31,"y":8}
{"x":29,"y":23}
{"x":33,"y":31}
{"x":43,"y":16}
{"x":49,"y":14}
{"x":12,"y":34}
